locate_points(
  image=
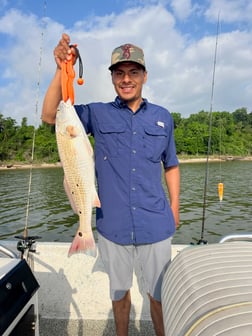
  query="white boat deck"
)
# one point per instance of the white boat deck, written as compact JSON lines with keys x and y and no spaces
{"x":74,"y":294}
{"x":73,"y":298}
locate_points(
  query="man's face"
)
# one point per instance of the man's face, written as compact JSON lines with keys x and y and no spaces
{"x":128,"y":79}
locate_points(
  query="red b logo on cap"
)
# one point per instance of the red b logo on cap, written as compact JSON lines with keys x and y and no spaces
{"x":126,"y":51}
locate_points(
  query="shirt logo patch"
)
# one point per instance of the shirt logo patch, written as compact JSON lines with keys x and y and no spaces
{"x":160,"y":123}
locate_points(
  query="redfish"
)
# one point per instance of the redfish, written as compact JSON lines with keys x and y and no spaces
{"x":76,"y":156}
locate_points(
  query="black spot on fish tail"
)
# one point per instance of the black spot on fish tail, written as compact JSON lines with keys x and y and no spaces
{"x":80,"y":234}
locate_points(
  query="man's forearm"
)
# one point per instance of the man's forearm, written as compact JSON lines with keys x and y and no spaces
{"x":172,"y":178}
{"x":52,"y":98}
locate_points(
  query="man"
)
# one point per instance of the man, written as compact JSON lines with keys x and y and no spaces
{"x":132,"y":138}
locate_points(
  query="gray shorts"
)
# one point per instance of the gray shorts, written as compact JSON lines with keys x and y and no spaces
{"x":120,"y":261}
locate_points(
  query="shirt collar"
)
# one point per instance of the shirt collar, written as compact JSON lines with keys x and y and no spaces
{"x":121,"y":104}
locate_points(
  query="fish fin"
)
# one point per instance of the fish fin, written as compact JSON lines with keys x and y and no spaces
{"x":83,"y":243}
{"x":96,"y":201}
{"x":69,"y":195}
{"x":88,"y":145}
{"x":72,"y":131}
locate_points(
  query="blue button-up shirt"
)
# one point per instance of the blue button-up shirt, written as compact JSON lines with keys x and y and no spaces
{"x":129,"y":150}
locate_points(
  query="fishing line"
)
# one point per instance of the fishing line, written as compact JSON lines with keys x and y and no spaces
{"x":202,"y":241}
{"x":26,"y":241}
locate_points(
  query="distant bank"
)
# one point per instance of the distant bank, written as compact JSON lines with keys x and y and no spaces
{"x":214,"y":158}
{"x":182,"y":159}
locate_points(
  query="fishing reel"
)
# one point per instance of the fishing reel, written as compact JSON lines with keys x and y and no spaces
{"x":201,"y":241}
{"x":26,"y":243}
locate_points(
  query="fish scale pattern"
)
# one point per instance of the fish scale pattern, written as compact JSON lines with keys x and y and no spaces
{"x":74,"y":168}
{"x":76,"y":156}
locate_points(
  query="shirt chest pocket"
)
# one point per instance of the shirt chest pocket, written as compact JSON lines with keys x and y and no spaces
{"x":155,"y":142}
{"x":111,"y":139}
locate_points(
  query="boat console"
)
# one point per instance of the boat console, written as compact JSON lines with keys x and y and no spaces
{"x":18,"y":298}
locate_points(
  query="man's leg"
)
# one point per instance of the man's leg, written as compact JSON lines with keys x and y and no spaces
{"x":154,"y":260}
{"x":121,"y":309}
{"x":157,"y":316}
{"x":118,"y":262}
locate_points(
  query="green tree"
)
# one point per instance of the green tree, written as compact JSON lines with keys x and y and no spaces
{"x":241,"y":117}
{"x":24,"y":140}
{"x":231,"y":134}
{"x":177,"y":119}
{"x":45,"y":144}
{"x":7,"y":137}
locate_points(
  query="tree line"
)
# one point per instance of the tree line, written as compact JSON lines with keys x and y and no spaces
{"x":230,"y":134}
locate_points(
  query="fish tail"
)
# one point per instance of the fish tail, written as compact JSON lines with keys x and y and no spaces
{"x":83,"y":243}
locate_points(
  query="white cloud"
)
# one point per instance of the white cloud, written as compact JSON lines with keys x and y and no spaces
{"x":21,"y":59}
{"x":182,"y":8}
{"x":230,"y":10}
{"x":179,"y":70}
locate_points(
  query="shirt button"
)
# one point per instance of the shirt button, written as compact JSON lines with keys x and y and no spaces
{"x":134,"y":132}
{"x":133,"y":188}
{"x":134,"y":151}
{"x":133,"y":208}
{"x":105,"y":158}
{"x":133,"y":169}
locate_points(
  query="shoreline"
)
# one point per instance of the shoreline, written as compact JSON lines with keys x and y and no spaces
{"x":15,"y":166}
{"x":9,"y":166}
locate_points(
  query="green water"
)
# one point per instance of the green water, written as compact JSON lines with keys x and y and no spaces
{"x":50,"y":216}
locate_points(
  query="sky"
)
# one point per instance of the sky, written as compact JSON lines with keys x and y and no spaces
{"x":179,"y":38}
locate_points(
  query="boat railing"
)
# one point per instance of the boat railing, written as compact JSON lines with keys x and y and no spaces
{"x":237,"y":237}
{"x":8,"y":252}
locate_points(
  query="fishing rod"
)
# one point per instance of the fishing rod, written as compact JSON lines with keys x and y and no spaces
{"x":202,"y":240}
{"x":26,"y":242}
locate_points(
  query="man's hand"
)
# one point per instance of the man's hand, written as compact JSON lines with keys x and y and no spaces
{"x":64,"y":52}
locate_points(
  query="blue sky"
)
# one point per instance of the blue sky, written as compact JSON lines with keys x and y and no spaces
{"x":178,"y":38}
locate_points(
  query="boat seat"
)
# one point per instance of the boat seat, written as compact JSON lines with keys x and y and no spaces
{"x":207,"y":290}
